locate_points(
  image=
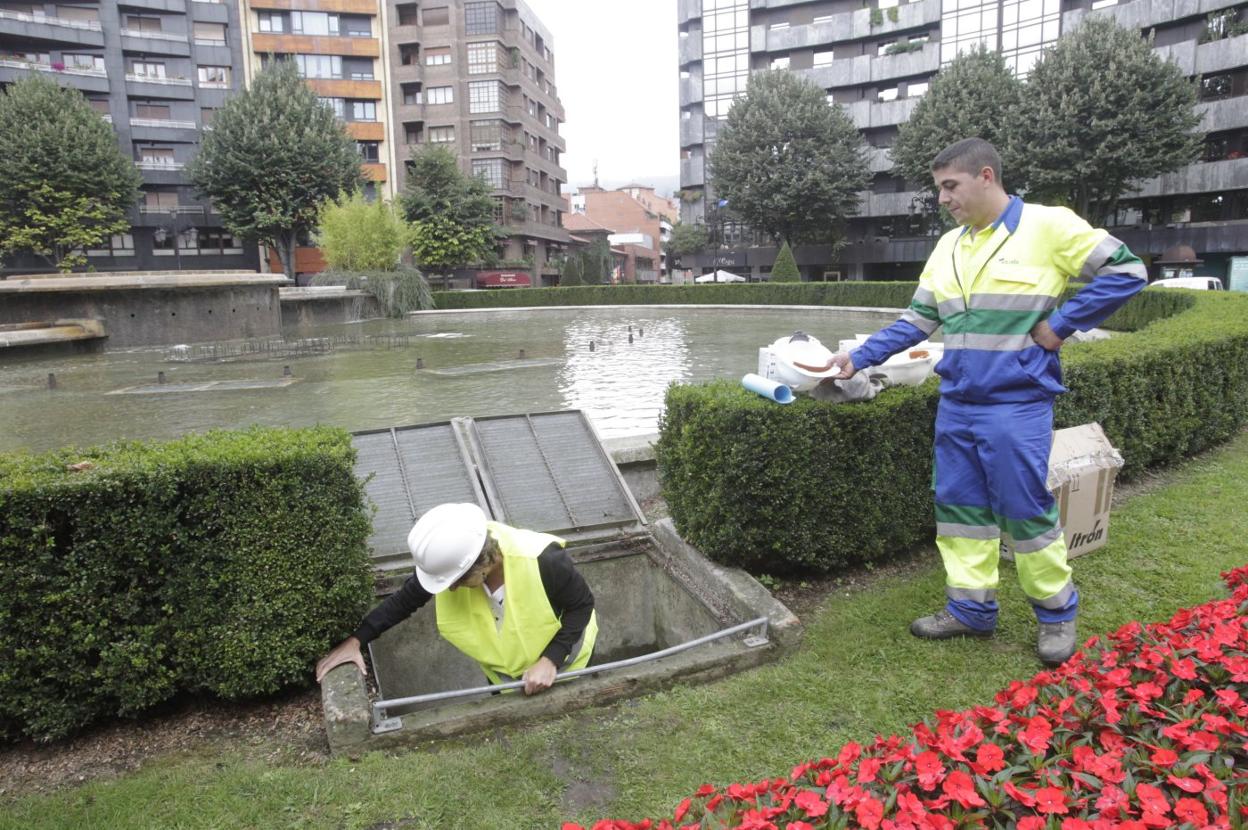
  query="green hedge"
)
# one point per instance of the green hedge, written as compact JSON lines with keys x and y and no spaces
{"x":221,"y":563}
{"x":818,"y":486}
{"x":867,"y":294}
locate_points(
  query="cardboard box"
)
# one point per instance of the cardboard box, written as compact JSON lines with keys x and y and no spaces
{"x":1082,"y":468}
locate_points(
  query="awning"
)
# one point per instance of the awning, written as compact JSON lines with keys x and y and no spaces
{"x":503,"y":279}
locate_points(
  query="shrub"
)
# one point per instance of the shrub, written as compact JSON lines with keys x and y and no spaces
{"x":818,"y":486}
{"x":223,"y":562}
{"x":1143,"y":729}
{"x":784,"y":269}
{"x":398,"y":291}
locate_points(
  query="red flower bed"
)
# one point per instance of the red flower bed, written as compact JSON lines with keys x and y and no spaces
{"x":1145,"y":728}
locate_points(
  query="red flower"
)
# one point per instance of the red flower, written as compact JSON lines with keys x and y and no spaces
{"x":1152,"y":799}
{"x":799,"y":825}
{"x":869,"y":813}
{"x":1036,"y":735}
{"x":961,"y":787}
{"x":867,"y":768}
{"x":988,"y":759}
{"x":1031,"y":823}
{"x":704,"y":791}
{"x":1050,"y":800}
{"x":1163,"y":757}
{"x":1112,"y":800}
{"x":1191,"y":811}
{"x":930,"y":770}
{"x":1187,"y":785}
{"x":682,"y":809}
{"x":1184,"y":669}
{"x":811,"y":804}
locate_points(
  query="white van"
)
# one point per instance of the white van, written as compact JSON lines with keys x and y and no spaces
{"x":1198,"y":283}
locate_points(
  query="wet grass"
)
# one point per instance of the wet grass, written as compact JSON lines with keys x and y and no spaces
{"x":858,"y":673}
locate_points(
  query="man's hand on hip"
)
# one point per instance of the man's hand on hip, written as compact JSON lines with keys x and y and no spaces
{"x":1045,"y":336}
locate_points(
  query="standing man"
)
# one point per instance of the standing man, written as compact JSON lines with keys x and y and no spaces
{"x":510,"y":599}
{"x":994,"y":283}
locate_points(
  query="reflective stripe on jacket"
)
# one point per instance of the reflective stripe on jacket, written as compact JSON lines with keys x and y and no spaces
{"x":989,"y":301}
{"x":466,"y":620}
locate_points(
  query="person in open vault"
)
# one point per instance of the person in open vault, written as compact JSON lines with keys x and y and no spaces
{"x":510,"y":599}
{"x":994,"y":283}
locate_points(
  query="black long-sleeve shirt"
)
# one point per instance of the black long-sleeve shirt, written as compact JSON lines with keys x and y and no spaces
{"x":566,"y":590}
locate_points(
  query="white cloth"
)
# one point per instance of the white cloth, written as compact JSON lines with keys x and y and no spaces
{"x":496,"y":603}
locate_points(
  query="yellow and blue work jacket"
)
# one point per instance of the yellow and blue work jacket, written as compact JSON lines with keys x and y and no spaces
{"x":988,"y":289}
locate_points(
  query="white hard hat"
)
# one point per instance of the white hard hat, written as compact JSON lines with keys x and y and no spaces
{"x":445,"y":543}
{"x":802,"y":361}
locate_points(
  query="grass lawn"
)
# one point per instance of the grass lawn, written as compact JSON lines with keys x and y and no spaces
{"x":858,"y":673}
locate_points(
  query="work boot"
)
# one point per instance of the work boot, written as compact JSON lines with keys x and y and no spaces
{"x":1056,"y":642}
{"x":942,"y":625}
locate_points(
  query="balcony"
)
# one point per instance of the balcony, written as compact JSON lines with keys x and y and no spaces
{"x":879,"y":160}
{"x":345,"y":88}
{"x":159,"y":164}
{"x":355,"y":47}
{"x":687,"y":10}
{"x":691,"y":134}
{"x":690,"y":49}
{"x":1144,"y":14}
{"x":156,"y":43}
{"x":88,"y":80}
{"x":690,"y":91}
{"x":1227,"y":114}
{"x":885,"y":204}
{"x":923,"y":14}
{"x":1202,"y":177}
{"x":167,"y":123}
{"x":867,"y":114}
{"x":47,"y":27}
{"x":867,"y":69}
{"x":147,"y":86}
{"x":692,"y":172}
{"x":1202,"y":58}
{"x":368,"y":7}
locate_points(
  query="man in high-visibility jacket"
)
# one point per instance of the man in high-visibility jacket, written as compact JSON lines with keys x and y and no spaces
{"x":510,"y":599}
{"x":994,"y":284}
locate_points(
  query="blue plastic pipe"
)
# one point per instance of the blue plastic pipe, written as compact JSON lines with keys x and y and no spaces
{"x":769,"y":389}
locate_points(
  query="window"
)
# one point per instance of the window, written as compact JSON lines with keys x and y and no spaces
{"x":823,"y":18}
{"x":777,"y":27}
{"x":780,"y":63}
{"x":209,"y":33}
{"x":100,"y":105}
{"x":499,"y":204}
{"x":158,"y":111}
{"x":147,"y":69}
{"x":440,"y":56}
{"x":491,"y":170}
{"x":363,"y":110}
{"x":441,"y":16}
{"x":481,"y":18}
{"x":206,"y":114}
{"x":314,"y":23}
{"x":274,"y":22}
{"x":441,"y":135}
{"x":485,"y":57}
{"x":889,"y":94}
{"x":407,"y":14}
{"x":484,"y":96}
{"x":138,"y":23}
{"x":156,"y":156}
{"x":370,"y":151}
{"x":90,"y":63}
{"x":217,"y":241}
{"x":119,"y":245}
{"x":216,"y":76}
{"x":823,"y":58}
{"x":409,"y":54}
{"x":157,"y":201}
{"x":411,"y":94}
{"x":411,"y":134}
{"x":486,"y":136}
{"x":319,"y":66}
{"x":440,"y":95}
{"x":1215,"y":87}
{"x":914,"y":90}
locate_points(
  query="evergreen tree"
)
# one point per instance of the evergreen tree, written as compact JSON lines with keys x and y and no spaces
{"x":452,"y":214}
{"x":784,"y":269}
{"x":687,"y":239}
{"x":358,"y":235}
{"x":65,"y":185}
{"x":1100,"y":114}
{"x":789,"y":163}
{"x":274,"y":156}
{"x":975,"y":96}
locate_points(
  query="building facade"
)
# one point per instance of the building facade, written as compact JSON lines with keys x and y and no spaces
{"x":157,"y":70}
{"x":478,"y":78}
{"x":877,"y":59}
{"x":636,"y":214}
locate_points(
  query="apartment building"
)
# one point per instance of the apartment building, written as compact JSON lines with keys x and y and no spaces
{"x":877,"y":57}
{"x":478,"y":78}
{"x":157,"y":70}
{"x":637,"y":216}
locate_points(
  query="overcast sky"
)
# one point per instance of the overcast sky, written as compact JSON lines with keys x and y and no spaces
{"x":615,"y":68}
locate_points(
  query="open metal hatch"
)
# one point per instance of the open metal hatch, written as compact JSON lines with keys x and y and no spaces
{"x":546,"y":471}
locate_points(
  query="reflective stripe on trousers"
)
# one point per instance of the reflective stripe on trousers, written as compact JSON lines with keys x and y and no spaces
{"x":990,"y":479}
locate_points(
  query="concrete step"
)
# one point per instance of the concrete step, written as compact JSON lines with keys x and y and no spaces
{"x":18,"y":335}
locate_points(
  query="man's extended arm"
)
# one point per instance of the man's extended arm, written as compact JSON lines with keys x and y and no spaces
{"x":915,"y":325}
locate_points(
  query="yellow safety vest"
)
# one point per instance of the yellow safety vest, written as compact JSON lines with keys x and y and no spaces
{"x":466,"y":620}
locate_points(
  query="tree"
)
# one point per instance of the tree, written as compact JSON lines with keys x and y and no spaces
{"x":571,"y":272}
{"x":789,"y":163}
{"x":452,"y":214}
{"x":784,"y":269}
{"x":65,"y":185}
{"x":358,"y":235}
{"x":1100,"y":114}
{"x":274,"y":156}
{"x":588,"y":265}
{"x":687,"y":239}
{"x":976,"y":95}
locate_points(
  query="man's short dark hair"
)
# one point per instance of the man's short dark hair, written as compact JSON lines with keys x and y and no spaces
{"x":970,"y":155}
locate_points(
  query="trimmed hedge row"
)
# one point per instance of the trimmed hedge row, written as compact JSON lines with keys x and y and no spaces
{"x":867,"y":294}
{"x":817,"y":486}
{"x":221,"y":563}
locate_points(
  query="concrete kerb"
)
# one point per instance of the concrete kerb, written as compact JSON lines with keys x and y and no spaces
{"x":731,"y":594}
{"x":884,"y":312}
